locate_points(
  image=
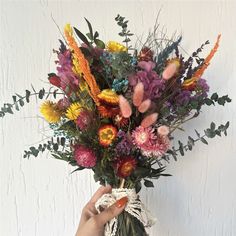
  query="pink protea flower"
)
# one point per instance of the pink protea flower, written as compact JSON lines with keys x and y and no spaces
{"x":125,"y":107}
{"x":144,"y":106}
{"x":84,"y":119}
{"x":84,"y":156}
{"x":156,"y":148}
{"x":149,"y":120}
{"x":163,"y":130}
{"x":142,"y":136}
{"x":138,"y":94}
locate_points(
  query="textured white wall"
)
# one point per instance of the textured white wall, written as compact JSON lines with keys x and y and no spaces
{"x":39,"y":196}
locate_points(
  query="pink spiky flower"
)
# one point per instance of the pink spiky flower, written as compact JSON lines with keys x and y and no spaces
{"x":84,"y":156}
{"x":84,"y":119}
{"x":142,"y":136}
{"x":156,"y":148}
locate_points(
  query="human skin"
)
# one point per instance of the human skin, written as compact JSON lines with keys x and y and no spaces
{"x":92,"y":223}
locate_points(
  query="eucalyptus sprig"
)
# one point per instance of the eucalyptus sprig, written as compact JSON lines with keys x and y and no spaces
{"x":123,"y":23}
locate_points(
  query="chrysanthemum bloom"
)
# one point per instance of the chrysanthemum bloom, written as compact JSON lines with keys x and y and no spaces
{"x":84,"y":119}
{"x":73,"y":111}
{"x":106,"y":111}
{"x":156,"y":148}
{"x":108,"y":103}
{"x":113,"y":46}
{"x":107,"y":134}
{"x":125,"y":166}
{"x":142,"y":136}
{"x":109,"y":97}
{"x":84,"y":156}
{"x":51,"y":112}
{"x":150,"y":144}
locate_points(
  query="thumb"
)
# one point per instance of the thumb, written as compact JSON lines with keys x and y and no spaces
{"x":112,"y":211}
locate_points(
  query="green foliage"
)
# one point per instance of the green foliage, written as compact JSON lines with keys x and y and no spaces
{"x":210,"y":132}
{"x":52,"y":145}
{"x":21,"y":100}
{"x":163,"y":56}
{"x":93,"y":37}
{"x":216,"y":99}
{"x":123,"y":23}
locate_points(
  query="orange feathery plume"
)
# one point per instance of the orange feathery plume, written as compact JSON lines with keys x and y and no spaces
{"x":207,"y":60}
{"x":189,"y":83}
{"x":83,"y":64}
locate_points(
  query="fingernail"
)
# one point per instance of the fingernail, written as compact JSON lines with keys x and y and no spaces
{"x":121,"y":202}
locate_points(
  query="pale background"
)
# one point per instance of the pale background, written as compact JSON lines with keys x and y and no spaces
{"x":39,"y":197}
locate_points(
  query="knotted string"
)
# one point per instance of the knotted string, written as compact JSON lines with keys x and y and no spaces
{"x":134,"y":207}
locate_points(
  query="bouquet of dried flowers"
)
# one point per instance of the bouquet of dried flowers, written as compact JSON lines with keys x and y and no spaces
{"x":118,"y":110}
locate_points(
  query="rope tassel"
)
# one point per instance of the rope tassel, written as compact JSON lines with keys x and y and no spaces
{"x":134,"y":207}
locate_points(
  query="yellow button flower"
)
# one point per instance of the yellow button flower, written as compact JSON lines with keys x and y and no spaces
{"x":73,"y":111}
{"x":51,"y":112}
{"x":113,"y":46}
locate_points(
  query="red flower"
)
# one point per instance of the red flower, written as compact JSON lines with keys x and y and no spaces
{"x":125,"y":166}
{"x":55,"y":80}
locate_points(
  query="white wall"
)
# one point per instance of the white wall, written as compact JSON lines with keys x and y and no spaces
{"x":39,"y":196}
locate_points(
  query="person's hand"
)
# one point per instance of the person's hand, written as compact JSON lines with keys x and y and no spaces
{"x":92,"y":223}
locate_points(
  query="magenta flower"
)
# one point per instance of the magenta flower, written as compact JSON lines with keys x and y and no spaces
{"x":84,"y":119}
{"x":84,"y":156}
{"x":153,"y":84}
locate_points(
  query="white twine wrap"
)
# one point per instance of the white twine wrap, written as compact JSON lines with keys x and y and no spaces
{"x":134,"y":207}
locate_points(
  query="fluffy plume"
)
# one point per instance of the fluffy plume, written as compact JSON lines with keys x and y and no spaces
{"x":138,"y":94}
{"x":149,"y":120}
{"x":125,"y":107}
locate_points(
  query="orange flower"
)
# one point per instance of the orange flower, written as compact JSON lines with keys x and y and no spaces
{"x":108,"y":96}
{"x":107,"y":134}
{"x":108,"y":111}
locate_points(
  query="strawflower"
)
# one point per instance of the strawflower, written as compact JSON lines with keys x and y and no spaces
{"x":51,"y":112}
{"x":73,"y":111}
{"x":113,"y":46}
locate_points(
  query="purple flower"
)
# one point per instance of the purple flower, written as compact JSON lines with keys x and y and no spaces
{"x":153,"y":84}
{"x":183,"y":98}
{"x":125,"y":145}
{"x":202,"y":88}
{"x":69,"y":81}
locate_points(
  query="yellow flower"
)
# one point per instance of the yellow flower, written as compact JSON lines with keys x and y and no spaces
{"x":51,"y":112}
{"x":113,"y":46}
{"x":109,"y":96}
{"x":73,"y":111}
